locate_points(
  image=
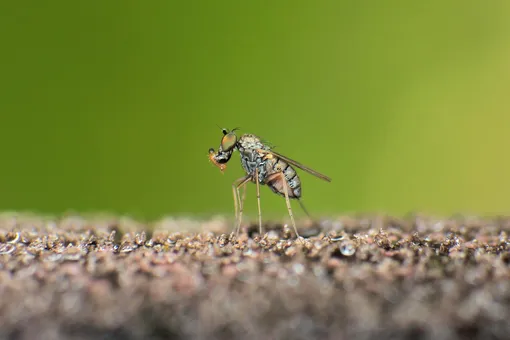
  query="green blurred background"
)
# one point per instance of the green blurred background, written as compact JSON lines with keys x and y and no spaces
{"x":112,"y":106}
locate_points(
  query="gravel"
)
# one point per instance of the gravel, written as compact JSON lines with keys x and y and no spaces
{"x":364,"y":277}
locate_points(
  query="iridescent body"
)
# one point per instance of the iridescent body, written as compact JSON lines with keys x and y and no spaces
{"x":262,"y":166}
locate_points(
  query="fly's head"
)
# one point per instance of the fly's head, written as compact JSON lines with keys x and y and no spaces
{"x":227,"y":146}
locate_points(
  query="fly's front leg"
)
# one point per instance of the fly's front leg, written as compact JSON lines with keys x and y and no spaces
{"x":237,"y":203}
{"x":258,"y":199}
{"x":241,"y":202}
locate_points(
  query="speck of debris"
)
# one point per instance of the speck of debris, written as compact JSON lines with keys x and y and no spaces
{"x":367,"y":277}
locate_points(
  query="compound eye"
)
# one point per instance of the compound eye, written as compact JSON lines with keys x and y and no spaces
{"x":228,"y":141}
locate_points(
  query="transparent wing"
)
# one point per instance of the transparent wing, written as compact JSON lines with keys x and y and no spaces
{"x":299,"y":165}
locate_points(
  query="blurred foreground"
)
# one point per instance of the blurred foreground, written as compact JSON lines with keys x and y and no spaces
{"x":360,"y":278}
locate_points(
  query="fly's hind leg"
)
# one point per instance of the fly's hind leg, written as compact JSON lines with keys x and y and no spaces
{"x":304,"y":208}
{"x":287,"y":200}
{"x":238,"y":205}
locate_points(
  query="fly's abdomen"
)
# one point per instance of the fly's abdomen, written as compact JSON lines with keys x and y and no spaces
{"x":274,"y":180}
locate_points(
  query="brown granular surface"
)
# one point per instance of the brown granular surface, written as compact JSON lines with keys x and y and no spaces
{"x":350,"y":278}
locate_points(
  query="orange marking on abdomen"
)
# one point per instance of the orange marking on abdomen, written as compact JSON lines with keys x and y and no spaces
{"x":276,"y":183}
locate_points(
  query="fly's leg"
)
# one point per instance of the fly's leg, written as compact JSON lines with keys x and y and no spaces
{"x":287,"y":200}
{"x":237,"y":203}
{"x":258,"y":199}
{"x":241,"y":203}
{"x":304,"y":209}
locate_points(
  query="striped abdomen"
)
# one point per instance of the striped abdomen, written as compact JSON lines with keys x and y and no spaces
{"x":275,"y":181}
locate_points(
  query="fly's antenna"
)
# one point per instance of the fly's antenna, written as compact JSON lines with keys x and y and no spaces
{"x":222,"y":129}
{"x":225,"y":131}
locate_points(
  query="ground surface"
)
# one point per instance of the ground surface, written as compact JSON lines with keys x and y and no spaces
{"x":351,"y":278}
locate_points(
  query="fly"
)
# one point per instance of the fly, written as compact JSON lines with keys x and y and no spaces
{"x":263,"y":166}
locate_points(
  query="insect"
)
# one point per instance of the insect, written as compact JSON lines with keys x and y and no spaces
{"x":263,"y":166}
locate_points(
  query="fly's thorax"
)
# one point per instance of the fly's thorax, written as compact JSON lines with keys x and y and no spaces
{"x":250,"y":142}
{"x":251,"y":159}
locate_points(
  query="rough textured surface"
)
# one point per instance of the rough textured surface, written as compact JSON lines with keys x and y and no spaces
{"x":351,"y":278}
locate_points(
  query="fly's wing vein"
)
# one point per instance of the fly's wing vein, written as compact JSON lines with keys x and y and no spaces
{"x":299,"y":165}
